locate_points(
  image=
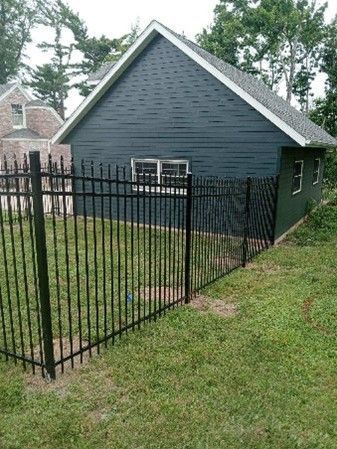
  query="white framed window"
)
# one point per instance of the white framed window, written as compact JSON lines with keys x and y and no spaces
{"x":297,"y":177}
{"x":18,"y":116}
{"x":317,"y":170}
{"x":159,"y":175}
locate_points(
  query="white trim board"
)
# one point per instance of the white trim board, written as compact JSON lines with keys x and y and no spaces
{"x":144,"y":39}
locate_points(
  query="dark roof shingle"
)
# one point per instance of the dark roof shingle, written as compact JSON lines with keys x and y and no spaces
{"x":37,"y":103}
{"x":23,"y":133}
{"x":5,"y":87}
{"x":100,"y":73}
{"x":264,"y":95}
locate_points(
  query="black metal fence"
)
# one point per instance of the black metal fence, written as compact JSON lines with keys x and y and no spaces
{"x":92,"y":253}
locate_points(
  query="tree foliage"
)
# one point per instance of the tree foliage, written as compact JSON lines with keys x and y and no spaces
{"x":17,"y":18}
{"x":96,"y":51}
{"x":278,"y":41}
{"x":51,"y":82}
{"x":324,"y":112}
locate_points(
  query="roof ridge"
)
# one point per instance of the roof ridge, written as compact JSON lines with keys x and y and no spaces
{"x":250,"y":89}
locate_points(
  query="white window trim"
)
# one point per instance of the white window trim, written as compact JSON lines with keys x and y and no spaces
{"x":298,"y":176}
{"x":318,"y":171}
{"x":24,"y":122}
{"x":159,"y":163}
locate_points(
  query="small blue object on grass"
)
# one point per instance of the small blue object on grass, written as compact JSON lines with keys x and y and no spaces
{"x":129,"y":297}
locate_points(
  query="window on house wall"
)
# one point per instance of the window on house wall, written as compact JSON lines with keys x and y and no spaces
{"x":168,"y":173}
{"x":317,"y":169}
{"x":17,"y":115}
{"x":297,"y":177}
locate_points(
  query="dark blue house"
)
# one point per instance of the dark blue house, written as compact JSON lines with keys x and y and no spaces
{"x":168,"y":106}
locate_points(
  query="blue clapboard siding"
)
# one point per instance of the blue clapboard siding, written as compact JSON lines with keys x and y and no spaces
{"x":166,"y":106}
{"x":291,"y":208}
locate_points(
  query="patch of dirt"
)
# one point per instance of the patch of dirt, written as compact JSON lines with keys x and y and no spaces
{"x":227,"y":262}
{"x":163,"y":292}
{"x":98,"y":415}
{"x":218,"y":306}
{"x":264,"y":268}
{"x":70,"y":368}
{"x":306,"y":312}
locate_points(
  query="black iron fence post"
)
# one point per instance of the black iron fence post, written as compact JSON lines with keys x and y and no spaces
{"x":246,"y":228}
{"x":42,"y":263}
{"x":188,"y":246}
{"x":277,"y":186}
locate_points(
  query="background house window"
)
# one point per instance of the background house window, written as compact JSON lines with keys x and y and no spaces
{"x":17,"y":115}
{"x":317,"y":168}
{"x":156,"y":171}
{"x":297,"y":177}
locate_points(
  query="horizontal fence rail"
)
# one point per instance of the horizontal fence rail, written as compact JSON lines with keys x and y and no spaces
{"x":92,"y":252}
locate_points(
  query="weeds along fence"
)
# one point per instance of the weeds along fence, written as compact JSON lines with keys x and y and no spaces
{"x":91,"y":253}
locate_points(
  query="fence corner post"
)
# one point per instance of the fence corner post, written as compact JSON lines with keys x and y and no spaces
{"x":246,"y":228}
{"x":277,"y":188}
{"x":42,"y":263}
{"x":188,"y":241}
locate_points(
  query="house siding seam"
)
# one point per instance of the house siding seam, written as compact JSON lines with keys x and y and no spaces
{"x":291,"y":208}
{"x":166,"y":106}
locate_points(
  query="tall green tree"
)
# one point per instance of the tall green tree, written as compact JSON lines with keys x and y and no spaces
{"x":97,"y":51}
{"x":277,"y":40}
{"x":58,"y":73}
{"x":225,"y":36}
{"x":324,"y":112}
{"x":17,"y":18}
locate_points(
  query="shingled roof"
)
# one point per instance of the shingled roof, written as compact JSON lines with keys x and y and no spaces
{"x":23,"y":133}
{"x":5,"y":87}
{"x":264,"y":95}
{"x":302,"y":130}
{"x":100,"y":73}
{"x":33,"y":103}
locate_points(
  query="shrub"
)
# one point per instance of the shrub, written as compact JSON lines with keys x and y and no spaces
{"x":319,"y":226}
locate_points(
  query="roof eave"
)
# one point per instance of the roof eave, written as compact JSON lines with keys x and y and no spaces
{"x":315,"y":144}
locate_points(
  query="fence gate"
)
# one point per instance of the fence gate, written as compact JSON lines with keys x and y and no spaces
{"x":92,"y":253}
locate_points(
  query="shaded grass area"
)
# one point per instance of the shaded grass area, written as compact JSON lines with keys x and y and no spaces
{"x":263,"y":378}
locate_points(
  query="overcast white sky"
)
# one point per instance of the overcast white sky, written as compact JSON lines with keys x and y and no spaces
{"x":114,"y":19}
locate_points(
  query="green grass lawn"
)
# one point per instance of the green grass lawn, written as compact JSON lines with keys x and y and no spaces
{"x":264,"y":377}
{"x":95,"y":268}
